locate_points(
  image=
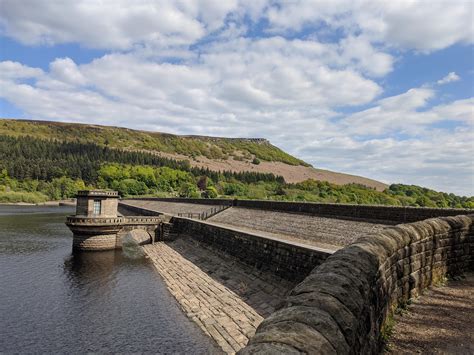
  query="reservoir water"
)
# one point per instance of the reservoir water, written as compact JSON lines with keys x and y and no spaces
{"x":53,"y":301}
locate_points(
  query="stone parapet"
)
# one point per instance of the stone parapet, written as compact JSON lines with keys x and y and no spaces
{"x":343,"y":305}
{"x":98,"y":193}
{"x":371,"y":213}
{"x":99,"y":221}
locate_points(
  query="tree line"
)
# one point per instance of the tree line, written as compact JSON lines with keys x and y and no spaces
{"x":29,"y":158}
{"x":35,"y":170}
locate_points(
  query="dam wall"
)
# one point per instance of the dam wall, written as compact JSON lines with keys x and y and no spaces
{"x":370,"y":213}
{"x":129,"y":210}
{"x":343,"y":305}
{"x":289,"y":260}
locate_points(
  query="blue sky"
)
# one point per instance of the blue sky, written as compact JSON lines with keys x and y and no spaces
{"x":379,"y":89}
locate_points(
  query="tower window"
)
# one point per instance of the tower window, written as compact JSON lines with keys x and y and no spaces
{"x":97,"y":207}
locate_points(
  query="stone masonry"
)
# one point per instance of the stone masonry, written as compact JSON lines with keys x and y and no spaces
{"x":227,"y":299}
{"x":342,"y":306}
{"x":328,"y":233}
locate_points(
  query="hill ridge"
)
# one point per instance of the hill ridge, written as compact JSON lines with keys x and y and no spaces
{"x":214,"y":153}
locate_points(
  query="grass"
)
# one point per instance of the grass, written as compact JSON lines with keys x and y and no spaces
{"x":124,"y":138}
{"x":22,"y":196}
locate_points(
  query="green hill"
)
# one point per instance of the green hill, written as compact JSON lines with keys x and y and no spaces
{"x":42,"y":161}
{"x":124,"y":138}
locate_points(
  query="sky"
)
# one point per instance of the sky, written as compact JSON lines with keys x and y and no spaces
{"x":382,"y":89}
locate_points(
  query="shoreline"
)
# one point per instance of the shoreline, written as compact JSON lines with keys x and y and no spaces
{"x":70,"y":202}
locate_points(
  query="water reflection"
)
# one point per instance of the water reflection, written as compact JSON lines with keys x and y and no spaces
{"x":91,"y":265}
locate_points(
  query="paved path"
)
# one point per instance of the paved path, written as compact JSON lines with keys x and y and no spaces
{"x":222,"y":311}
{"x":439,"y":322}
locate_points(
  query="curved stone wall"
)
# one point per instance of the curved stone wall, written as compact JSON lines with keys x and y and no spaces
{"x":342,"y":306}
{"x":94,"y":242}
{"x":137,"y":236}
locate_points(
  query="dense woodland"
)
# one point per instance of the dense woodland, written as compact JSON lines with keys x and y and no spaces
{"x":36,"y":170}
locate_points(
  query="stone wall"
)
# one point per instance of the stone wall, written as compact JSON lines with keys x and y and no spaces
{"x":392,"y":214}
{"x":288,"y":260}
{"x":97,"y":242}
{"x":385,"y":214}
{"x":129,"y":210}
{"x":342,"y":306}
{"x":146,"y":223}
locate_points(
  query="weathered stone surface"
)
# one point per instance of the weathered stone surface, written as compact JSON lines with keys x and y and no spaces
{"x":346,"y":321}
{"x":342,"y":305}
{"x":390,"y":214}
{"x":228,"y":310}
{"x":315,"y":318}
{"x":297,"y":335}
{"x":309,"y":229}
{"x":269,"y":349}
{"x":287,"y":259}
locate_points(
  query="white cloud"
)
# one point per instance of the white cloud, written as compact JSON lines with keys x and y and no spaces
{"x":359,"y":52}
{"x":403,"y":113}
{"x":439,"y":160}
{"x":232,"y":79}
{"x":116,"y":24}
{"x":459,"y":110}
{"x":229,"y":93}
{"x":15,"y":70}
{"x":121,"y":24}
{"x":392,"y":114}
{"x":419,"y":25}
{"x":452,"y":76}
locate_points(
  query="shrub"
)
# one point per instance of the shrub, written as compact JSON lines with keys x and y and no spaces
{"x":234,"y":189}
{"x":210,"y":192}
{"x":189,"y":190}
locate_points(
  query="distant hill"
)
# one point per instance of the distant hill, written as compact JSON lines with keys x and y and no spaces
{"x":214,"y":153}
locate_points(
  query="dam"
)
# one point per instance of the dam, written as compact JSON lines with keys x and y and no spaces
{"x":284,"y":277}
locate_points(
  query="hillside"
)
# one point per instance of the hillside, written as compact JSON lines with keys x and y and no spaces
{"x":213,"y":153}
{"x":45,"y":167}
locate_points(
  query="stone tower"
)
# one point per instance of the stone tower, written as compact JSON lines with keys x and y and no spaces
{"x":97,"y":203}
{"x":96,"y":222}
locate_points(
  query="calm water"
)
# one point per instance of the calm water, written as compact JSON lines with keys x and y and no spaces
{"x":52,"y":301}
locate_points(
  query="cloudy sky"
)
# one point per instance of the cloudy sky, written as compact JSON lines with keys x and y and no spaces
{"x":380,"y":89}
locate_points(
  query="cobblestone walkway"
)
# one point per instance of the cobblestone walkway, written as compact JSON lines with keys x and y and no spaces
{"x":220,"y":312}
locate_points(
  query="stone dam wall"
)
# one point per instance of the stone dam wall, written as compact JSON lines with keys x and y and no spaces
{"x":291,"y":261}
{"x":385,"y":214}
{"x":342,"y":306}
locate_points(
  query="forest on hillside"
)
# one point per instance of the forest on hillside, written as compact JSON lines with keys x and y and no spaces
{"x":129,"y":139}
{"x":36,"y":170}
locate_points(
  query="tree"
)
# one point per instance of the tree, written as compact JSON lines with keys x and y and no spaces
{"x":202,"y":183}
{"x":210,"y":192}
{"x":189,"y":190}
